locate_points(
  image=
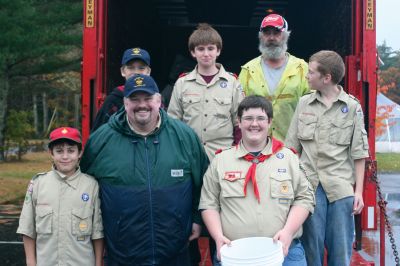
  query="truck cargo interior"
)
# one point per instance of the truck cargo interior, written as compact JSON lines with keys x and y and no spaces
{"x":163,"y":26}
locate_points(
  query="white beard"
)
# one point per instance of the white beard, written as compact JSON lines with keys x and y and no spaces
{"x":272,"y":51}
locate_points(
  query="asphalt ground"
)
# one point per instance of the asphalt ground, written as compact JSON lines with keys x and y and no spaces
{"x":12,"y":250}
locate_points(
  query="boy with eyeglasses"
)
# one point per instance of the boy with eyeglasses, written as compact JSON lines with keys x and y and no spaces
{"x":134,"y":61}
{"x":257,"y":188}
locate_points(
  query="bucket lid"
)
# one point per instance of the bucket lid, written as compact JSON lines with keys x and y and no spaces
{"x":252,"y":248}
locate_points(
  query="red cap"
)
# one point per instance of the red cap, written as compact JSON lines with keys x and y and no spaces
{"x":276,"y":21}
{"x":65,"y":133}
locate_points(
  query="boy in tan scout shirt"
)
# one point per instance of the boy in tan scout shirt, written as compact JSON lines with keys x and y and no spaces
{"x":328,"y":131}
{"x":61,"y":219}
{"x":208,"y":97}
{"x":257,"y":188}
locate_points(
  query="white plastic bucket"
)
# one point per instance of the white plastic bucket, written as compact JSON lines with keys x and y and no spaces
{"x":254,"y":251}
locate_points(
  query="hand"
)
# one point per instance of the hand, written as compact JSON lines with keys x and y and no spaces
{"x":358,"y":203}
{"x":196,"y":231}
{"x":219,"y":243}
{"x":286,"y":240}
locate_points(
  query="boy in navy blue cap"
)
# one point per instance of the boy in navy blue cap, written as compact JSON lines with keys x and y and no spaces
{"x":134,"y":61}
{"x":150,"y":169}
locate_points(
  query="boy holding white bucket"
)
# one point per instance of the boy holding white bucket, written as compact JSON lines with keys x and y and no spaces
{"x":257,"y":188}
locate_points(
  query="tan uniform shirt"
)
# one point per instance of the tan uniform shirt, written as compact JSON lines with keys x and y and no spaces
{"x":281,"y":184}
{"x":210,"y":109}
{"x":63,"y":215}
{"x":329,"y":140}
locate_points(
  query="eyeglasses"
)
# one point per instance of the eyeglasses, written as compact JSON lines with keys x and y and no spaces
{"x":258,"y":119}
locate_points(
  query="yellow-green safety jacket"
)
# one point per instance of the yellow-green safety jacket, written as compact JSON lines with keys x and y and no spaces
{"x":291,"y":87}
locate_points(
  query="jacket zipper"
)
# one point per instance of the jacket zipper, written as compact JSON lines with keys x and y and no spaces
{"x":150,"y":199}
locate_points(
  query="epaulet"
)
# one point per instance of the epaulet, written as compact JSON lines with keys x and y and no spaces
{"x":293,"y":150}
{"x":181,"y":75}
{"x":221,"y":150}
{"x":354,"y":98}
{"x":121,"y":88}
{"x":38,"y":174}
{"x":233,"y":74}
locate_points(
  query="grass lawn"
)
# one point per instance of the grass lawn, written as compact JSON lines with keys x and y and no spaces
{"x":15,"y":176}
{"x":388,"y":162}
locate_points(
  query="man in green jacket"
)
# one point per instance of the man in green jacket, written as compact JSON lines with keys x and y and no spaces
{"x":276,"y":74}
{"x":150,"y":169}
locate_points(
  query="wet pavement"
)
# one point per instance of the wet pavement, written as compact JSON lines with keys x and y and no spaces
{"x":12,"y":250}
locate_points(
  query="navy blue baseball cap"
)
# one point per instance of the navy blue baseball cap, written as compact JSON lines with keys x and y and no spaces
{"x":135,"y":53}
{"x":140,"y":82}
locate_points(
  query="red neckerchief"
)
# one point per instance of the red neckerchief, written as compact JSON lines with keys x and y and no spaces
{"x":251,"y":173}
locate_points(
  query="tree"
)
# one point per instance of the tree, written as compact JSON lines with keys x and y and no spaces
{"x":37,"y":37}
{"x":18,"y":131}
{"x":388,"y":56}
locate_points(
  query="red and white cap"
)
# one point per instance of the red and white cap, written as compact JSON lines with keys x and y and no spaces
{"x":65,"y":133}
{"x":276,"y":21}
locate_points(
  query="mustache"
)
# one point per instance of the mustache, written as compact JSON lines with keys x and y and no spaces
{"x":141,"y":109}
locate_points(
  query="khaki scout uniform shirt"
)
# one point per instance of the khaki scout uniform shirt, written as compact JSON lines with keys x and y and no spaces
{"x":329,"y":140}
{"x":281,"y":184}
{"x":63,"y":215}
{"x":210,"y":109}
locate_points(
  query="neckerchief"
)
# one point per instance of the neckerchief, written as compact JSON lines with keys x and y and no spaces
{"x":251,"y":173}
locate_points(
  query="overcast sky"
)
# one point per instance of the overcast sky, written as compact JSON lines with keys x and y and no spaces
{"x":388,"y":23}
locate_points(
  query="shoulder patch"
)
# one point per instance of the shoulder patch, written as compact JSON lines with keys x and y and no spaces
{"x":233,"y":74}
{"x":121,"y":88}
{"x":183,"y":74}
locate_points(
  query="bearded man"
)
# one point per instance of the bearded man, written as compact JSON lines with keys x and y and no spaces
{"x":276,"y":74}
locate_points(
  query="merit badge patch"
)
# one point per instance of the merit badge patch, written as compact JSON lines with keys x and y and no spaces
{"x":284,"y":188}
{"x":280,"y":155}
{"x":83,"y":226}
{"x":345,"y":109}
{"x":85,"y":196}
{"x":232,"y":176}
{"x":176,"y":172}
{"x":223,"y":84}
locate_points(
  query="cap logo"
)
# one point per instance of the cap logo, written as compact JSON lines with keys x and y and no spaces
{"x":64,"y":131}
{"x":271,"y":18}
{"x":139,"y":82}
{"x":135,"y":50}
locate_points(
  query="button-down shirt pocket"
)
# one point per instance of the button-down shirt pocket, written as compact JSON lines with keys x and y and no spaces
{"x":82,"y":221}
{"x":341,"y":132}
{"x":232,"y":189}
{"x":306,"y":127}
{"x":223,"y":106}
{"x":191,"y":106}
{"x":281,"y":188}
{"x":44,"y":219}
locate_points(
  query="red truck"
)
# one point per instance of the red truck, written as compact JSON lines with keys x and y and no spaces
{"x":162,"y":27}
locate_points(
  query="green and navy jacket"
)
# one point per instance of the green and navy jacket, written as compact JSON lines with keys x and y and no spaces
{"x":149,"y":188}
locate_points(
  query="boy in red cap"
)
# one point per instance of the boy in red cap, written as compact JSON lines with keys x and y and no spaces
{"x":61,"y":219}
